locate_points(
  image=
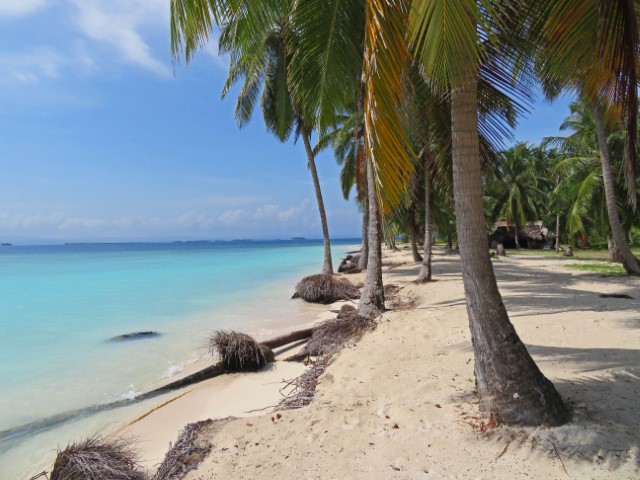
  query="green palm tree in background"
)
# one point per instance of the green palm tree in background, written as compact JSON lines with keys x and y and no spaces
{"x":261,"y":43}
{"x":595,"y":46}
{"x":514,"y":186}
{"x":581,"y":184}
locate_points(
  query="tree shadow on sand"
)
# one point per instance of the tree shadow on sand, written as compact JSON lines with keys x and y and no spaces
{"x":601,"y":384}
{"x":604,"y":396}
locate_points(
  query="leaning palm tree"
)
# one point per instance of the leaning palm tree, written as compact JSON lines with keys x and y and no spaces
{"x":446,"y":35}
{"x":260,"y":41}
{"x":347,"y":143}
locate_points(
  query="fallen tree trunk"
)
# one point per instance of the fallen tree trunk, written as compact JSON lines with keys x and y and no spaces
{"x":288,"y":338}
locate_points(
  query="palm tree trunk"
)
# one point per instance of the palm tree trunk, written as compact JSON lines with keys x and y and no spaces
{"x":557,"y":233}
{"x":364,"y":253}
{"x":372,"y":299}
{"x":414,"y":235}
{"x":629,"y":262}
{"x":510,"y":386}
{"x":425,"y":270}
{"x":327,"y":268}
{"x":515,"y":226}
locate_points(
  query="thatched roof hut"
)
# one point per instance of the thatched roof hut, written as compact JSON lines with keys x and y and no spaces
{"x":533,"y":235}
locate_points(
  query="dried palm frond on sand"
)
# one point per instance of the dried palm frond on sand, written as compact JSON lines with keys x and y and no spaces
{"x":187,"y":453}
{"x":331,"y":335}
{"x":325,"y":289}
{"x":98,"y":459}
{"x":305,"y":386}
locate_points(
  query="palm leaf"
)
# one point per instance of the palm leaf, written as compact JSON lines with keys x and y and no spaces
{"x":385,"y":61}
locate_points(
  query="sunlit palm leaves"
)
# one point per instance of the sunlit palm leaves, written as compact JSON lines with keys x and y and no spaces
{"x":594,"y":45}
{"x":386,"y":57}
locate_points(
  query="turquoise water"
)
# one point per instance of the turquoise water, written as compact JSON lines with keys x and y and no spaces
{"x":59,"y":305}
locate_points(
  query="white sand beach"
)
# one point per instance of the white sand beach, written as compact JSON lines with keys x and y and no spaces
{"x":400,"y":402}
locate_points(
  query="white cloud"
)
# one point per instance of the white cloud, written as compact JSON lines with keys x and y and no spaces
{"x":300,"y":212}
{"x":20,"y":7}
{"x":118,"y":23}
{"x":232,"y":217}
{"x":41,"y":63}
{"x":266,"y":212}
{"x":29,"y":67}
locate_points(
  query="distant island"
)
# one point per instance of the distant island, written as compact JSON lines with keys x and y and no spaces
{"x":5,"y":244}
{"x":297,"y":238}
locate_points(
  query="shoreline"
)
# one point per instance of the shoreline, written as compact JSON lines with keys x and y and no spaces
{"x":399,"y":403}
{"x":37,"y":450}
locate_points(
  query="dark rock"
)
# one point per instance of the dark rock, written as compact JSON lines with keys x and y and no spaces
{"x":135,"y":336}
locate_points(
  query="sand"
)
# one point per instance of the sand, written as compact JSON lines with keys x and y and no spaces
{"x":400,"y":404}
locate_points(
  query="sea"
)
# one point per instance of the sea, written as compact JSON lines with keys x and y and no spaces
{"x":61,"y":305}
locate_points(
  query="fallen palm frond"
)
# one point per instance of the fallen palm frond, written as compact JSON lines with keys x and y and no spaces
{"x":186,"y":454}
{"x":239,"y":352}
{"x":325,"y":289}
{"x":396,"y":301}
{"x":305,"y":386}
{"x":98,"y":459}
{"x":331,"y":335}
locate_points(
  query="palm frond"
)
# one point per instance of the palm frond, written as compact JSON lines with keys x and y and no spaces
{"x":326,"y":67}
{"x":385,"y":61}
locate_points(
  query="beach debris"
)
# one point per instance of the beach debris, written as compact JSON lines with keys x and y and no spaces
{"x":98,"y":459}
{"x":396,"y":301}
{"x":187,"y":453}
{"x":331,"y":335}
{"x":323,"y":288}
{"x":44,"y":474}
{"x":349,"y":264}
{"x":135,"y":336}
{"x":616,"y":295}
{"x":345,"y":310}
{"x":239,"y":352}
{"x":305,"y":386}
{"x":288,"y":338}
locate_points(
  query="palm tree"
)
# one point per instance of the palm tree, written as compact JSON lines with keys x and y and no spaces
{"x":450,"y":52}
{"x":348,"y":146}
{"x":514,"y":187}
{"x":260,"y":43}
{"x":580,"y":170}
{"x":594,"y":50}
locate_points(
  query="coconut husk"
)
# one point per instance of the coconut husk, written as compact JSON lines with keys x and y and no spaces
{"x":325,"y":289}
{"x":186,"y":454}
{"x":238,"y":352}
{"x":330,"y":336}
{"x":345,"y":311}
{"x":98,"y":459}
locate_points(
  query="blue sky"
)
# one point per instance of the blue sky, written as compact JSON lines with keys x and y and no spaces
{"x":101,"y":140}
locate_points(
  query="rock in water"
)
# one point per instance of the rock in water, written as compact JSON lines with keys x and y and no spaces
{"x":135,"y":336}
